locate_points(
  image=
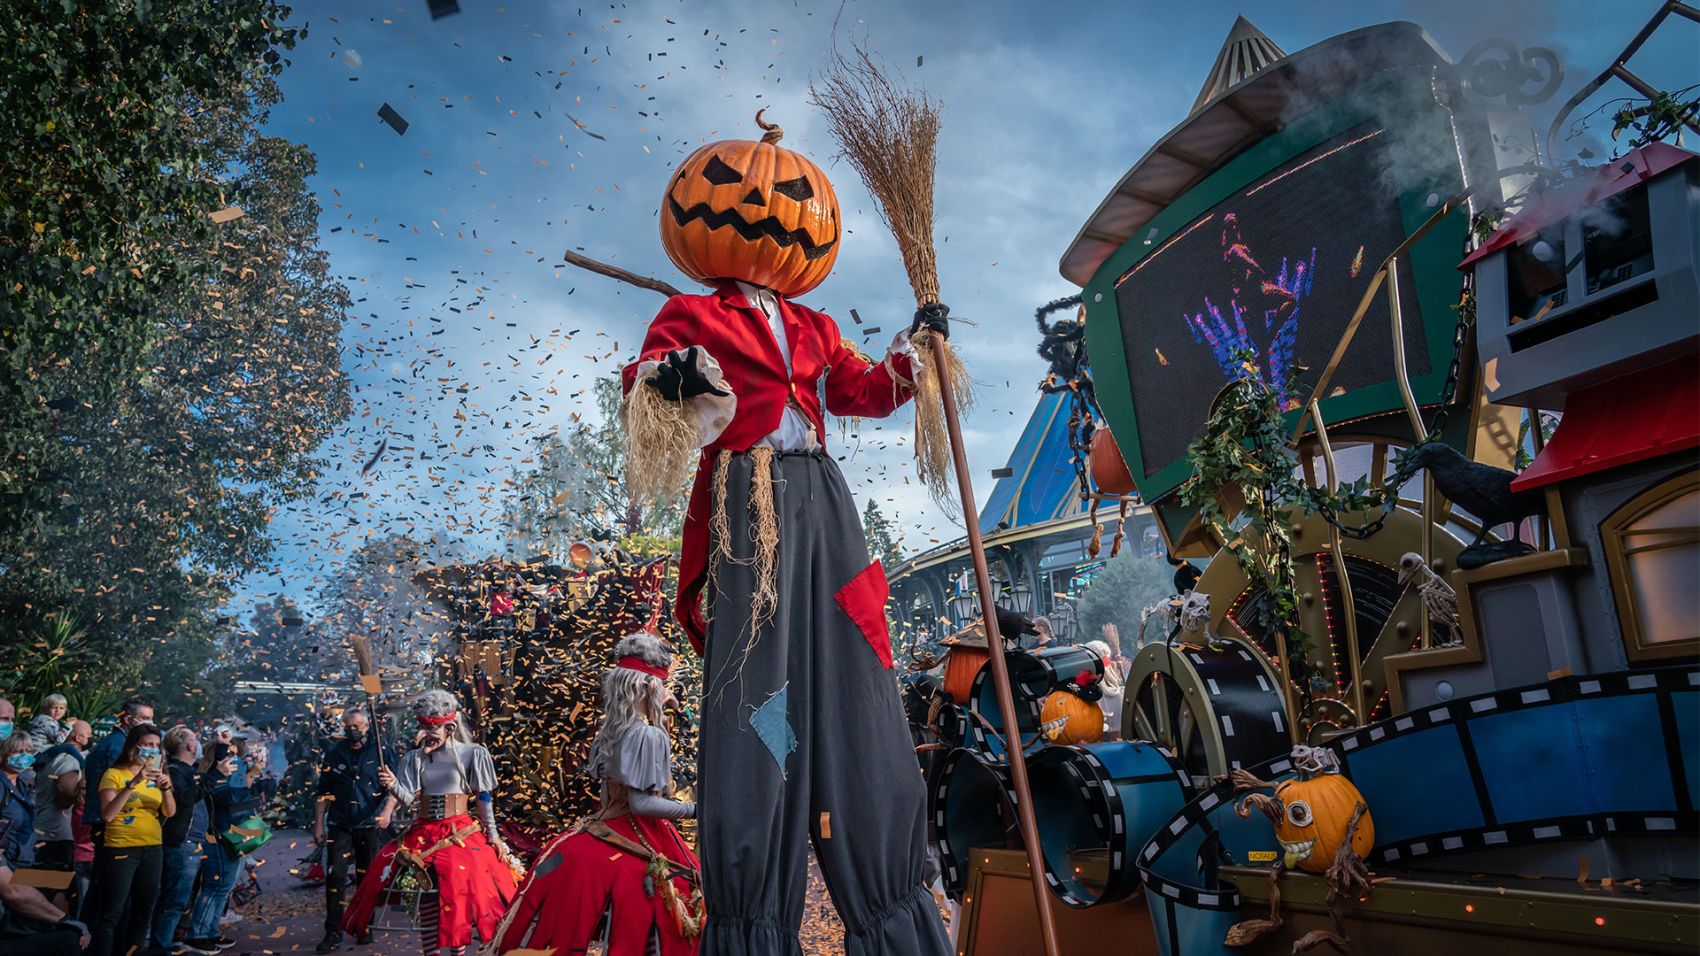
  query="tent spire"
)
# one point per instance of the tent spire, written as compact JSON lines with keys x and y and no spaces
{"x":1244,"y":52}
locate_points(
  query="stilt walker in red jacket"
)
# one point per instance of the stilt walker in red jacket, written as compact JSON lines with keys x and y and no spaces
{"x":803,"y":738}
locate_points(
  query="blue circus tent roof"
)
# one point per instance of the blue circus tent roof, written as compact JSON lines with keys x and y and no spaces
{"x":1041,"y":484}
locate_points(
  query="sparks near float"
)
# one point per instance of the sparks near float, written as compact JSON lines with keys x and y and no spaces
{"x":1435,"y":687}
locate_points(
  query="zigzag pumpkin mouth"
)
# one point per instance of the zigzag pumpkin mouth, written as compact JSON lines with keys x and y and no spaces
{"x":769,"y":226}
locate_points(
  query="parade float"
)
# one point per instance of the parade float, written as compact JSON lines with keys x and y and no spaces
{"x":529,"y":641}
{"x":1422,"y":403}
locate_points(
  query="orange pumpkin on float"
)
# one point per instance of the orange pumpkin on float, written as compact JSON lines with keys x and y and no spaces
{"x":1068,"y":719}
{"x":962,"y":664}
{"x":1315,"y":808}
{"x":754,"y":211}
{"x":1071,"y":714}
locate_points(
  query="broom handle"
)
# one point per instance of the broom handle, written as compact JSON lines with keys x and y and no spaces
{"x":377,"y":728}
{"x":1000,"y":670}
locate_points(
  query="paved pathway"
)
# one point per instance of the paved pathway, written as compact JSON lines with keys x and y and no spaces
{"x":288,"y":917}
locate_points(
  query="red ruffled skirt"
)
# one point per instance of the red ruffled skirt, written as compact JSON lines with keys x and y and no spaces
{"x":579,"y":877}
{"x":474,"y":886}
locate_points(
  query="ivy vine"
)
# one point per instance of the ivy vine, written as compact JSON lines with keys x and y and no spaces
{"x":1244,"y":449}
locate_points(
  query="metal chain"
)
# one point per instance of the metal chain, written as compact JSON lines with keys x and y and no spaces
{"x":1449,"y":390}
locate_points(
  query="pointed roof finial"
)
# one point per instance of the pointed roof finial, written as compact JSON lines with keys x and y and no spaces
{"x":1244,"y":52}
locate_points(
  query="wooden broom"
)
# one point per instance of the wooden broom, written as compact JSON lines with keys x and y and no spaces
{"x":890,"y":135}
{"x":372,"y":684}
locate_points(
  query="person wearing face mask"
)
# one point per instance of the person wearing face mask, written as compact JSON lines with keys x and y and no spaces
{"x":446,"y":780}
{"x":30,"y":925}
{"x":8,"y":718}
{"x":135,"y":798}
{"x":182,"y":834}
{"x":58,"y":789}
{"x":17,"y":799}
{"x":231,"y":785}
{"x":345,"y":817}
{"x":135,"y":713}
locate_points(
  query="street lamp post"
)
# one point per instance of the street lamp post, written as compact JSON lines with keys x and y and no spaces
{"x":1022,"y":597}
{"x":965,"y":604}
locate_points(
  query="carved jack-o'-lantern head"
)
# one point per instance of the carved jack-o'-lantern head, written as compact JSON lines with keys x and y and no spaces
{"x":754,"y":211}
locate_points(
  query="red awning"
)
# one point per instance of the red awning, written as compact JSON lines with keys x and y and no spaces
{"x":1601,"y":182}
{"x":1620,"y":422}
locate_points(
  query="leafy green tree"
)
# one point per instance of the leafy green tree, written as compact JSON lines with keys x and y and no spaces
{"x":166,"y":372}
{"x":1128,"y":584}
{"x":882,"y":536}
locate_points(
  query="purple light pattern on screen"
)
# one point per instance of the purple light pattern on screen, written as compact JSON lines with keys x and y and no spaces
{"x":1272,"y":302}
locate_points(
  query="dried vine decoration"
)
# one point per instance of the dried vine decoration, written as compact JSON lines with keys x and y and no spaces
{"x":889,"y":133}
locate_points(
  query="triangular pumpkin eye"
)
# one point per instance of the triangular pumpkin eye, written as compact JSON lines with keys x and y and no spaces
{"x":798,"y":189}
{"x":719,"y":173}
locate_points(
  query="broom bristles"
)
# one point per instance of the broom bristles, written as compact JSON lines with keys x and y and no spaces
{"x":890,"y":133}
{"x":362,"y":654}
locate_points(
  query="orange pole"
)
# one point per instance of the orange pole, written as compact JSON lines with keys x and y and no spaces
{"x":1000,"y":670}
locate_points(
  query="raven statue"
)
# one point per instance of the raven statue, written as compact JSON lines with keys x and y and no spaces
{"x":1482,"y":490}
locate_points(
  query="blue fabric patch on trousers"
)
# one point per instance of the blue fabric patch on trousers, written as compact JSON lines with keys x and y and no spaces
{"x":774,"y":728}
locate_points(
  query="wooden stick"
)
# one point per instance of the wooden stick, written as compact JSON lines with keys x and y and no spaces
{"x":615,"y":272}
{"x":377,"y":728}
{"x":1000,"y":669}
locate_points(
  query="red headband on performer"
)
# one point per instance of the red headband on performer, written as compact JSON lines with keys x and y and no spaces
{"x":639,"y":664}
{"x":435,"y":721}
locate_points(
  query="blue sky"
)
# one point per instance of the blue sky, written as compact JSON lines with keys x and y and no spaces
{"x":467,"y":341}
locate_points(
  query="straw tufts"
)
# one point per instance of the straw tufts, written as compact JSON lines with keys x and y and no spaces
{"x":765,"y":600}
{"x":889,"y":132}
{"x":661,"y":444}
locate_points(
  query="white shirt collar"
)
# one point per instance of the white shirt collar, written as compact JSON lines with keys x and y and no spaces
{"x":761,"y":297}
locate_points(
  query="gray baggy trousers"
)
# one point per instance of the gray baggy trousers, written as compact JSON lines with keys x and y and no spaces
{"x":803,"y":737}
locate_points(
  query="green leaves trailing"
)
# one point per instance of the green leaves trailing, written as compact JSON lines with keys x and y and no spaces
{"x":164,"y":377}
{"x":1243,"y":453}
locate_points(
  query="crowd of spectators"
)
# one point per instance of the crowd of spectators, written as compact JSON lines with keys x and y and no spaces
{"x":119,"y":846}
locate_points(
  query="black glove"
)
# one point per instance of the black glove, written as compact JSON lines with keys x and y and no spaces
{"x":1012,"y":625}
{"x":678,"y":378}
{"x":934,"y":316}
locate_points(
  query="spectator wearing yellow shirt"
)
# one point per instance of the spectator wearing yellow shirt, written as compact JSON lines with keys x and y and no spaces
{"x":135,"y":795}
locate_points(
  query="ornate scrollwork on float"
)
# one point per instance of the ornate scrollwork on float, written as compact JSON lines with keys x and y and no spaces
{"x":1494,"y":69}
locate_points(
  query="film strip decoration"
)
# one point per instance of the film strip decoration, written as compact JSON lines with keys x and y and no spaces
{"x":970,"y":807}
{"x":1101,"y":800}
{"x":1033,"y":675}
{"x":1199,"y":824}
{"x":1219,"y":708}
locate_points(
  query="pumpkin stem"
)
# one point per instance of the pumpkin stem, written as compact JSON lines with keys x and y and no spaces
{"x":772,"y":130}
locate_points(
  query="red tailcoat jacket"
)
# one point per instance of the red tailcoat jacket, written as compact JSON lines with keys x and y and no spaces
{"x":737,"y":335}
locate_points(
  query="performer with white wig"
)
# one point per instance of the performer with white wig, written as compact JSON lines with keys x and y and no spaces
{"x":446,"y":780}
{"x":628,"y":863}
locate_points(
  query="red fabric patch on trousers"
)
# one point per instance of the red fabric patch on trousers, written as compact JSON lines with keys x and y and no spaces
{"x":863,"y":599}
